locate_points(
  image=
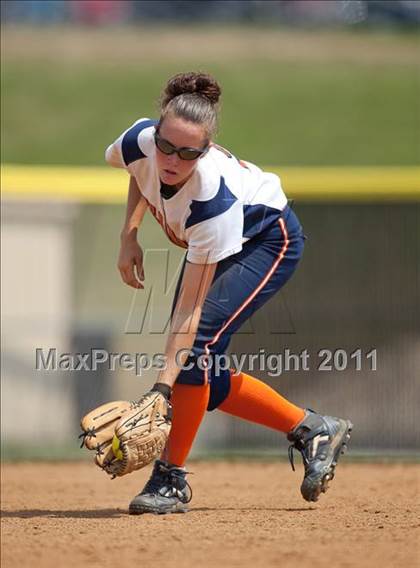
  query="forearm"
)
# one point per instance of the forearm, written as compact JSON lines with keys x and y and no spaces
{"x":180,"y":341}
{"x":186,"y":318}
{"x":135,"y":211}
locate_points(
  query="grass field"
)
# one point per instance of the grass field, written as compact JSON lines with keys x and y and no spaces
{"x":288,"y":99}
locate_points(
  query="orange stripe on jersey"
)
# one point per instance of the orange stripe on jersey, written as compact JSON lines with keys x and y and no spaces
{"x":169,"y":232}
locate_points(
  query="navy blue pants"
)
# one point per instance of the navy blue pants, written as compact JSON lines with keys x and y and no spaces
{"x":242,"y":283}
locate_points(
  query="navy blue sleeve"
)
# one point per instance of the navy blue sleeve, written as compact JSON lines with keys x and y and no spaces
{"x":129,"y":146}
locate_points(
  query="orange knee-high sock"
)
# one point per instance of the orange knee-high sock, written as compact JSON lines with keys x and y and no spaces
{"x":253,"y":400}
{"x":189,"y":403}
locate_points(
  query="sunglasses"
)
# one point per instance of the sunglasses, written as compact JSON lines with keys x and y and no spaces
{"x":184,"y":153}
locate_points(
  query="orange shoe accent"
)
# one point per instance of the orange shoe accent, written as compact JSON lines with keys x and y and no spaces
{"x":189,"y":404}
{"x":253,"y":400}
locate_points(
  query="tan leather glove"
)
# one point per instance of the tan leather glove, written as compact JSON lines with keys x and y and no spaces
{"x":128,"y":435}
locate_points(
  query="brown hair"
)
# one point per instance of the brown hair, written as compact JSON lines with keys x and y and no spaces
{"x":193,"y":97}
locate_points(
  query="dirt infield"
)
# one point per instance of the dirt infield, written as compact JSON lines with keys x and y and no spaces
{"x":242,"y":514}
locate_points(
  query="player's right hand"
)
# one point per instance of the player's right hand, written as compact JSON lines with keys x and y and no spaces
{"x":130,"y":263}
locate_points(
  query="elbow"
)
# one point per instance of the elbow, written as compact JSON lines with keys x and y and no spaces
{"x":108,"y":155}
{"x":111,"y":157}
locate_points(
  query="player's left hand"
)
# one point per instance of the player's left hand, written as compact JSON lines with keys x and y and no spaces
{"x":129,"y":435}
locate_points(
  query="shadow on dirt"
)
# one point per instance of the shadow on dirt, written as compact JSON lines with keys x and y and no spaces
{"x":252,"y":509}
{"x":114,"y":513}
{"x":34,"y":513}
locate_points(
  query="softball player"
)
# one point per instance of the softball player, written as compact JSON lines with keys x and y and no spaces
{"x":243,"y":244}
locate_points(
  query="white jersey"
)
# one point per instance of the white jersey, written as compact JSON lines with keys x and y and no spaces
{"x":224,"y":203}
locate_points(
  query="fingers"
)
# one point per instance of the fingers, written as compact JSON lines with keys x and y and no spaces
{"x":138,"y":261}
{"x":129,"y":277}
{"x":130,"y":265}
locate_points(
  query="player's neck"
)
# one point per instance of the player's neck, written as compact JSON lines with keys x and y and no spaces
{"x":180,"y":184}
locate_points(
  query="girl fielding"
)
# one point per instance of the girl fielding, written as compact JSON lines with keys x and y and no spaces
{"x":243,"y":244}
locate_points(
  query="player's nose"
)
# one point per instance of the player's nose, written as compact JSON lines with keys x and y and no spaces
{"x":172,"y":165}
{"x":172,"y":159}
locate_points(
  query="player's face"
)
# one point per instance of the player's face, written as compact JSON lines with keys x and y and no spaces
{"x":172,"y":169}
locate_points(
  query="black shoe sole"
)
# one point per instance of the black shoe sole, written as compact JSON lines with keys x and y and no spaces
{"x":142,"y":509}
{"x":312,"y":489}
